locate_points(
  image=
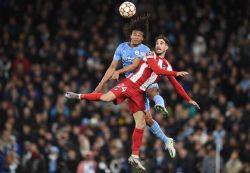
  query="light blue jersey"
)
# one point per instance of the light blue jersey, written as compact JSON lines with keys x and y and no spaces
{"x":127,"y":54}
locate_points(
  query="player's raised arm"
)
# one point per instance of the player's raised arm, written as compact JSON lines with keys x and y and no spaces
{"x":111,"y":69}
{"x":159,"y":71}
{"x":129,"y":68}
{"x":180,"y":90}
{"x":107,"y":75}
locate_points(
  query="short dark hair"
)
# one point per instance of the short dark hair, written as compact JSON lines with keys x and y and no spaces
{"x":163,"y":38}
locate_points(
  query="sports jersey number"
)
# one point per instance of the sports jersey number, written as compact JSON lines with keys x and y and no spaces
{"x":122,"y":86}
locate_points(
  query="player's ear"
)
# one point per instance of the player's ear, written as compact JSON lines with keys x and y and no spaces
{"x":166,"y":47}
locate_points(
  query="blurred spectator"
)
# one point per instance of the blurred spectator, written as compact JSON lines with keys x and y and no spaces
{"x":21,"y":64}
{"x":184,"y":160}
{"x":234,"y":165}
{"x":50,"y":47}
{"x":209,"y":161}
{"x":89,"y":165}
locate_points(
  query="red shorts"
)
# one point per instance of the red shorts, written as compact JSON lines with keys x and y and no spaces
{"x":126,"y":90}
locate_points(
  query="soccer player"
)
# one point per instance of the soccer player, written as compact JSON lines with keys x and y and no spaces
{"x":130,"y":54}
{"x":133,"y":88}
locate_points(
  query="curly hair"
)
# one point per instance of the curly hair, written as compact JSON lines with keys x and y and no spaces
{"x":140,"y":23}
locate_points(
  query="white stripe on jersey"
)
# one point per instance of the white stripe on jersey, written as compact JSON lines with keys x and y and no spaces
{"x":149,"y":81}
{"x":138,"y":74}
{"x":152,"y":78}
{"x":160,"y":63}
{"x":169,"y":68}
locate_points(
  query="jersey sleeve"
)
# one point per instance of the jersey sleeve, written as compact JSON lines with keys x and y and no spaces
{"x":180,"y":90}
{"x":159,"y":71}
{"x":118,"y":53}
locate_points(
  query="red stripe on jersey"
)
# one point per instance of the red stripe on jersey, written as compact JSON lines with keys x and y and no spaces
{"x":144,"y":76}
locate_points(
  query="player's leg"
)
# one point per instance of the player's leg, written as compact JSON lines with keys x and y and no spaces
{"x":153,"y":93}
{"x":154,"y":126}
{"x":137,"y":107}
{"x":140,"y":125}
{"x":115,"y":93}
{"x":109,"y":96}
{"x":156,"y":130}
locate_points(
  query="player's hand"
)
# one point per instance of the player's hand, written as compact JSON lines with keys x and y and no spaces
{"x":194,"y":103}
{"x":181,"y":73}
{"x":98,"y":88}
{"x":115,"y":76}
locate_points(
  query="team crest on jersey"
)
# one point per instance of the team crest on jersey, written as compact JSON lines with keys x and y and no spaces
{"x":164,"y":67}
{"x":137,"y":52}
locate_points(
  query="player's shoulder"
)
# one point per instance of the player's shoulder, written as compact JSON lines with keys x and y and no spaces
{"x":143,"y":46}
{"x":121,"y":45}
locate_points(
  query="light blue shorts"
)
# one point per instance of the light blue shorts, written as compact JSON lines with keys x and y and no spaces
{"x":147,"y":105}
{"x":153,"y":85}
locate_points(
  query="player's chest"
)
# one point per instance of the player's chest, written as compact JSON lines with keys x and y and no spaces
{"x":128,"y":55}
{"x":162,"y":64}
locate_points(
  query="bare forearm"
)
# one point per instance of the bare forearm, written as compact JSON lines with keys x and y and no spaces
{"x":130,"y":67}
{"x":107,"y":75}
{"x":126,"y":69}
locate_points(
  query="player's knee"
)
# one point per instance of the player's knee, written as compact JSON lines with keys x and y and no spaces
{"x":106,"y":98}
{"x":152,"y":92}
{"x":141,"y":124}
{"x":109,"y":96}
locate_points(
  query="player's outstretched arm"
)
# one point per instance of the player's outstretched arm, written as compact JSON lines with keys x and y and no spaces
{"x":129,"y":68}
{"x":180,"y":90}
{"x":153,"y":65}
{"x":107,"y":75}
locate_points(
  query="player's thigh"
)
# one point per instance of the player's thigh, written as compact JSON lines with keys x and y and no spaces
{"x":109,"y":96}
{"x":139,"y":118}
{"x":120,"y":91}
{"x":136,"y":103}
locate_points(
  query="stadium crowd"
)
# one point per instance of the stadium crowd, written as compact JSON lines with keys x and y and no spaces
{"x":50,"y":47}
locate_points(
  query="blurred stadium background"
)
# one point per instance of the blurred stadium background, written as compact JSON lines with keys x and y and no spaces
{"x":48,"y":47}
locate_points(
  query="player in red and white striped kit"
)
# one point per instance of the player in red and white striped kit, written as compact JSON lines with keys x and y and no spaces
{"x":133,"y":89}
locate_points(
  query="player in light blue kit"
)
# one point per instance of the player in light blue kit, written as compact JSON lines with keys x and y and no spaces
{"x":130,"y":54}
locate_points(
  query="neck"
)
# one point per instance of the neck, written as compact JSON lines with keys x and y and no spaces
{"x":162,"y":55}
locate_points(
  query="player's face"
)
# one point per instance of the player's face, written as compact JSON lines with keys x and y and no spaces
{"x":136,"y":37}
{"x":161,"y":47}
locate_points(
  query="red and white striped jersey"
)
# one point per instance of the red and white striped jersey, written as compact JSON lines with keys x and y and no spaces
{"x":144,"y":76}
